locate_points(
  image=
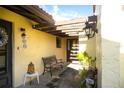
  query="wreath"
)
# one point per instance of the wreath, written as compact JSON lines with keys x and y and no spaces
{"x":3,"y":37}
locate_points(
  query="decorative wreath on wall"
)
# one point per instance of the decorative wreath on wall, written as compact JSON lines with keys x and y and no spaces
{"x":3,"y":37}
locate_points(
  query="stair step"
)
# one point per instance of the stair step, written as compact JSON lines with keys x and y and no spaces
{"x":73,"y":54}
{"x":74,"y":51}
{"x":75,"y":45}
{"x":73,"y":58}
{"x":76,"y":62}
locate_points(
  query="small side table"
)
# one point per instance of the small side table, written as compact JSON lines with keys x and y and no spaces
{"x":31,"y":76}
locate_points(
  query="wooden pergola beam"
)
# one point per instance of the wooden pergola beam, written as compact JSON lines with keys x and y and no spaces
{"x":45,"y":27}
{"x":70,"y":28}
{"x":56,"y":32}
{"x":19,"y":10}
{"x":44,"y":21}
{"x":39,"y":12}
{"x":59,"y":34}
{"x":53,"y":28}
{"x":53,"y":31}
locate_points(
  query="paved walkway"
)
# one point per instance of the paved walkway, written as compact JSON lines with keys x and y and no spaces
{"x":69,"y":78}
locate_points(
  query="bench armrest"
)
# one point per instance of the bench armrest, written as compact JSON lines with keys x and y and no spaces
{"x":59,"y":61}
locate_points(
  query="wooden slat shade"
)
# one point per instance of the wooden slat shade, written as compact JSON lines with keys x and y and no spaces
{"x":73,"y":30}
{"x":46,"y":23}
{"x":44,"y":20}
{"x":75,"y":25}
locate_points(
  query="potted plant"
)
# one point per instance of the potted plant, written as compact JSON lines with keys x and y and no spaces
{"x":86,"y":62}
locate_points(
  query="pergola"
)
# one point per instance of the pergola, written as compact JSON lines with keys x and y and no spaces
{"x":45,"y":22}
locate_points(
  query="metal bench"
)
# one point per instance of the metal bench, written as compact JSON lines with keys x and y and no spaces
{"x":50,"y":63}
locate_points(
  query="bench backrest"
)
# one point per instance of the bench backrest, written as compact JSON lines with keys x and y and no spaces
{"x":49,"y":60}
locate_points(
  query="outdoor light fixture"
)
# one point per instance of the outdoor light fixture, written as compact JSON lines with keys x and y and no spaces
{"x":22,"y":29}
{"x":23,"y":35}
{"x":90,"y":27}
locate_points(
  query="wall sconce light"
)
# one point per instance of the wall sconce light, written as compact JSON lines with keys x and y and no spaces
{"x":22,"y":29}
{"x":90,"y":28}
{"x":23,"y":35}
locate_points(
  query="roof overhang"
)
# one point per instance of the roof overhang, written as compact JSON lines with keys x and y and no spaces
{"x":32,"y":12}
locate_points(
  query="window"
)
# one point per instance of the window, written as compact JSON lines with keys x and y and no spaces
{"x":58,"y":42}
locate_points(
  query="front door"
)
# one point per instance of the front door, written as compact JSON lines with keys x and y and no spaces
{"x":5,"y":54}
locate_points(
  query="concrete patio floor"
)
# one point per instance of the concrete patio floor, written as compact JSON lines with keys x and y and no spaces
{"x":68,"y":78}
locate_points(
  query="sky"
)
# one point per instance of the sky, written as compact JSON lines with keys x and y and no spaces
{"x":67,"y":12}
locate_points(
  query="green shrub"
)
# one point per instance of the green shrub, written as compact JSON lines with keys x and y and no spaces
{"x":85,"y":59}
{"x":86,"y":62}
{"x":83,"y":73}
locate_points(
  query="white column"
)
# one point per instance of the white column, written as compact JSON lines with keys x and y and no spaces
{"x":108,"y":57}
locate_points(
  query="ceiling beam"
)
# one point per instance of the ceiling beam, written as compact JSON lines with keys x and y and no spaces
{"x":45,"y":27}
{"x":19,"y":10}
{"x":76,"y":30}
{"x":41,"y":25}
{"x":70,"y":23}
{"x":53,"y":31}
{"x":73,"y":21}
{"x":60,"y":35}
{"x":71,"y":32}
{"x":45,"y":21}
{"x":70,"y":28}
{"x":39,"y":12}
{"x":55,"y":28}
{"x":56,"y":33}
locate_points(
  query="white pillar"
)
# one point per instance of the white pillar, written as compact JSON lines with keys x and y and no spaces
{"x":108,"y":48}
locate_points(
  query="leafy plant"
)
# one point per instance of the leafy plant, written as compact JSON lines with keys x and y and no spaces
{"x":87,"y":62}
{"x":85,"y":59}
{"x":83,"y":73}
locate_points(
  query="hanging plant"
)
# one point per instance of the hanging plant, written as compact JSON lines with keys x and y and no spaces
{"x":3,"y":37}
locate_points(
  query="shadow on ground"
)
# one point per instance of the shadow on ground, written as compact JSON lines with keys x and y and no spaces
{"x":69,"y":78}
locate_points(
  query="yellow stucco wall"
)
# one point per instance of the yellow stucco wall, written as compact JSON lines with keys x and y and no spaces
{"x":39,"y":44}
